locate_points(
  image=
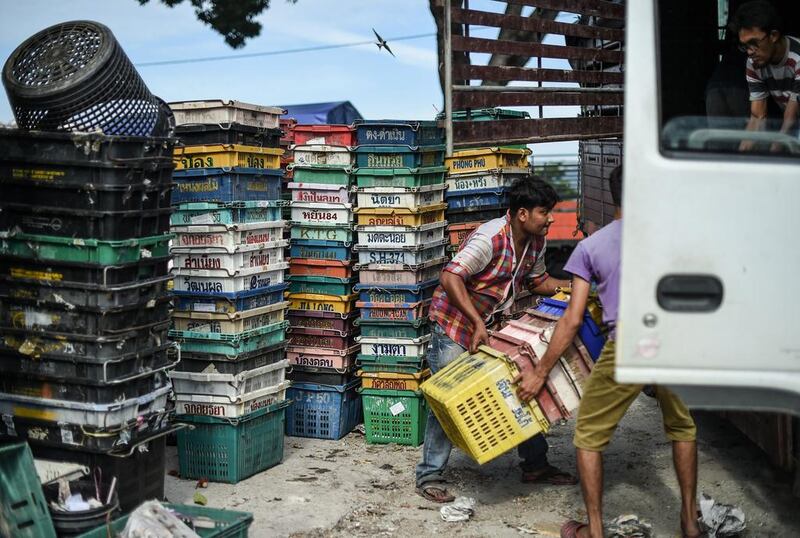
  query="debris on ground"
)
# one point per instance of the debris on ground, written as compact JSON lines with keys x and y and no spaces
{"x":459,"y":510}
{"x":718,"y":519}
{"x":629,"y":526}
{"x":152,"y":519}
{"x":200,"y":499}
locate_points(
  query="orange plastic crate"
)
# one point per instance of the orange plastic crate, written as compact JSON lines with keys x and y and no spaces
{"x":330,"y":268}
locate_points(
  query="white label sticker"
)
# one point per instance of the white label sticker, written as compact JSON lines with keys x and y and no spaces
{"x":397,"y":408}
{"x":9,"y":422}
{"x":204,"y":307}
{"x":66,"y":436}
{"x":204,"y":218}
{"x":146,"y":253}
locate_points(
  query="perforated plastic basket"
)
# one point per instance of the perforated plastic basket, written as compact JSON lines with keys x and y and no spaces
{"x":323,"y":411}
{"x":394,"y":416}
{"x":23,"y":510}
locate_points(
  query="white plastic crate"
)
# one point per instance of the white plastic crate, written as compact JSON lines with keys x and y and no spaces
{"x":215,"y":406}
{"x":394,"y":347}
{"x":322,"y":154}
{"x":487,"y":179}
{"x":226,"y":238}
{"x":246,"y":258}
{"x":208,"y":281}
{"x":400,"y":197}
{"x":237,"y":322}
{"x":319,"y":193}
{"x":230,"y":386}
{"x":400,"y":236}
{"x":415,"y":255}
{"x":388,"y":275}
{"x":213,"y":111}
{"x":322,"y":213}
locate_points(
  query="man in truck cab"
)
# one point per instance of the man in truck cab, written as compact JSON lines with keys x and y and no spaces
{"x":481,"y":281}
{"x":604,"y":402}
{"x":772,"y":69}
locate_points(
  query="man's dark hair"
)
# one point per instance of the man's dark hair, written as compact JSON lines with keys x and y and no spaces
{"x":756,"y":14}
{"x":529,"y":192}
{"x":615,"y":185}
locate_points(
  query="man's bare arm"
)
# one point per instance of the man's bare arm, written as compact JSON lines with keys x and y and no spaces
{"x":457,"y":293}
{"x":758,"y":116}
{"x":550,"y":286}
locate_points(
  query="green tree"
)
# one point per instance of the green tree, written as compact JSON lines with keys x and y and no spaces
{"x":233,"y":19}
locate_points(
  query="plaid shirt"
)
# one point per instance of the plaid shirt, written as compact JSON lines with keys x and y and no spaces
{"x":489,"y":285}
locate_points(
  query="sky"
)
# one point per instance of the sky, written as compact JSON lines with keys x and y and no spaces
{"x":378,"y":85}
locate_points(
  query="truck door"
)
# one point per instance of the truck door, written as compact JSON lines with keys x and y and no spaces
{"x":710,"y":292}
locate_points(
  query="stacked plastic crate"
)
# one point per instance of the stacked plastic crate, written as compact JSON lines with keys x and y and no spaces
{"x":401,"y":250}
{"x":322,"y":304}
{"x":286,"y":143}
{"x":229,"y":287}
{"x":84,"y":306}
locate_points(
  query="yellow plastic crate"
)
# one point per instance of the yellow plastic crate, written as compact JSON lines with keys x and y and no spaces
{"x":341,"y":304}
{"x":478,"y":160}
{"x":388,"y":216}
{"x":226,"y":156}
{"x":477,"y":405}
{"x":393,"y":381}
{"x":592,"y":304}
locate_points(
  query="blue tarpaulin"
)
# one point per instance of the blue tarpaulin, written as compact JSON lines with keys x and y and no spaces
{"x":339,"y":112}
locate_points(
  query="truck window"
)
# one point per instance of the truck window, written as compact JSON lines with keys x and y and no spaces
{"x":728,"y":89}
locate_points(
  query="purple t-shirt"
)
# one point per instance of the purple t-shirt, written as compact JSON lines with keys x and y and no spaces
{"x":596,"y":259}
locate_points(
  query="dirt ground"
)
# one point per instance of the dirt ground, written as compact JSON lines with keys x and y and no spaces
{"x":348,"y":488}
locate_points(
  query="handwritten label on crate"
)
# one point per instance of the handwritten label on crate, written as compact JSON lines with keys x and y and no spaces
{"x":385,"y":200}
{"x":386,"y":297}
{"x":312,"y":360}
{"x":384,"y":160}
{"x":393,"y":350}
{"x":521,"y":414}
{"x":256,"y":237}
{"x":260,"y":258}
{"x":206,"y":185}
{"x":466,"y":164}
{"x":37,"y":175}
{"x":203,"y":326}
{"x":260,"y":281}
{"x":200,"y":240}
{"x":320,"y":197}
{"x":390,"y":220}
{"x":385,"y":277}
{"x":252,"y":161}
{"x":314,"y":305}
{"x":393,"y":238}
{"x":390,"y":256}
{"x":205,"y":409}
{"x":17,"y":273}
{"x":312,"y":340}
{"x":314,"y":323}
{"x":321,"y":216}
{"x":387,"y":313}
{"x":315,"y":253}
{"x":203,"y":261}
{"x":324,"y":234}
{"x":260,"y":214}
{"x":387,"y":384}
{"x":212,"y":217}
{"x":384,"y":135}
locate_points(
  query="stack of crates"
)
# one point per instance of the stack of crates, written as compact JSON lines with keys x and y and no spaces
{"x":286,"y":143}
{"x":478,"y":178}
{"x":229,"y":265}
{"x":322,"y":311}
{"x":401,"y":251}
{"x":84,"y":303}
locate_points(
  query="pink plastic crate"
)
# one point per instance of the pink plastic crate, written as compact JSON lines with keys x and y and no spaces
{"x":321,"y":338}
{"x":324,"y":358}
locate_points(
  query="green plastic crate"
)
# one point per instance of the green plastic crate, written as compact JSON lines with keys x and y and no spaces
{"x":394,"y":416}
{"x":489,"y":114}
{"x":68,"y":249}
{"x":23,"y":510}
{"x":400,"y":365}
{"x":322,"y":232}
{"x":326,"y":174}
{"x":231,"y":449}
{"x":400,"y":177}
{"x":323,"y":285}
{"x":227,"y":523}
{"x":394,"y":329}
{"x":231,"y":344}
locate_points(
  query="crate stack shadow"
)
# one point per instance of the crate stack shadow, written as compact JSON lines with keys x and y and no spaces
{"x":325,"y":402}
{"x":229,"y":308}
{"x":401,"y":251}
{"x":84,"y":303}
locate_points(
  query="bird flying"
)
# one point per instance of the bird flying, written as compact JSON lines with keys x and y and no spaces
{"x":381,"y":43}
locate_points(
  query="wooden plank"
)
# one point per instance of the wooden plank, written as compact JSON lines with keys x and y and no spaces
{"x":597,"y":8}
{"x":534,"y":24}
{"x":527,"y":131}
{"x":498,"y":46}
{"x":498,"y":73}
{"x":515,"y":97}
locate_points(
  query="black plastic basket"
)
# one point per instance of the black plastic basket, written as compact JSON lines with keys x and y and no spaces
{"x":94,"y":276}
{"x":197,"y":362}
{"x":475,"y":214}
{"x":227,"y":133}
{"x":74,"y":76}
{"x":324,"y":376}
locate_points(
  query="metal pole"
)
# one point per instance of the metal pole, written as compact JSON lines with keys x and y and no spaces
{"x":448,"y":77}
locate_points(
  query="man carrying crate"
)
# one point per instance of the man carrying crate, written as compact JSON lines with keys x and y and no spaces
{"x":480,"y":282}
{"x":604,"y":401}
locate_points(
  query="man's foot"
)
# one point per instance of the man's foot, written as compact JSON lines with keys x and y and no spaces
{"x":574,"y":529}
{"x":692,"y":529}
{"x":549,"y":475}
{"x":435,"y":492}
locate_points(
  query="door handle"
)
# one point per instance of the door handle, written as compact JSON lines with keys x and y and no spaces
{"x":689,"y":293}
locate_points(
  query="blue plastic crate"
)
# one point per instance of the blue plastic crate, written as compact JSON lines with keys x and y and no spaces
{"x":226,"y":185}
{"x":222,"y":213}
{"x":229,"y":303}
{"x":398,"y":132}
{"x":323,"y":411}
{"x":477,"y":198}
{"x":475,"y":213}
{"x":399,"y":156}
{"x":592,"y":336}
{"x":410,"y":293}
{"x":321,"y":250}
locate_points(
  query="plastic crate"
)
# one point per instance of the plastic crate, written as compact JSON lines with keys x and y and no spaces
{"x":340,"y":359}
{"x":393,"y":311}
{"x":476,"y":213}
{"x":321,"y":174}
{"x":393,"y":380}
{"x":334,"y":135}
{"x":394,"y":275}
{"x":67,"y":249}
{"x":400,"y":197}
{"x":319,"y":193}
{"x":323,"y":411}
{"x":394,"y":329}
{"x":324,"y":376}
{"x":477,"y":198}
{"x":399,"y":156}
{"x":220,"y":406}
{"x":221,"y":282}
{"x":227,"y":156}
{"x":23,"y":509}
{"x":320,"y":338}
{"x":232,"y":387}
{"x":487,"y":114}
{"x":310,"y":213}
{"x":226,"y":523}
{"x":396,"y":294}
{"x":400,"y":236}
{"x":400,"y":217}
{"x":459,"y":232}
{"x":592,"y":336}
{"x":329,"y":321}
{"x":323,"y":285}
{"x":397,"y":132}
{"x":214,"y":111}
{"x":236,"y":184}
{"x":477,"y":160}
{"x":227,"y":303}
{"x":224,"y":364}
{"x":322,"y":232}
{"x":231,"y":344}
{"x":329,"y":268}
{"x":231,"y":449}
{"x":399,"y":177}
{"x":228,"y":133}
{"x":339,"y":304}
{"x":237,"y":322}
{"x":226,"y":213}
{"x":476,"y":403}
{"x":322,"y":154}
{"x":500,"y":178}
{"x":409,"y":255}
{"x":394,"y":416}
{"x":401,"y":348}
{"x":321,"y":250}
{"x":221,"y":238}
{"x":373,"y":363}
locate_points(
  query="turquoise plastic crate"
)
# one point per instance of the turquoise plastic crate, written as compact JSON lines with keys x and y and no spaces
{"x":322,"y":285}
{"x":227,"y":523}
{"x":231,"y":449}
{"x":400,"y":177}
{"x":394,"y":329}
{"x":23,"y":509}
{"x":399,"y":156}
{"x":212,"y":213}
{"x":231,"y":344}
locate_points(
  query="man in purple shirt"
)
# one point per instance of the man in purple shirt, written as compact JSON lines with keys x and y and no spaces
{"x":597,"y":259}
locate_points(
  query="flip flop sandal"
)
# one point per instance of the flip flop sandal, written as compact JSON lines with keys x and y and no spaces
{"x":571,"y":528}
{"x":550,"y":475}
{"x":424,"y":492}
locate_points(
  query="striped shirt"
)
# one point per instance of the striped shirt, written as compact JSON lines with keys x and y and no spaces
{"x":781,"y":80}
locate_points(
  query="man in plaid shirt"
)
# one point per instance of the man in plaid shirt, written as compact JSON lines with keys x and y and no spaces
{"x":499,"y":259}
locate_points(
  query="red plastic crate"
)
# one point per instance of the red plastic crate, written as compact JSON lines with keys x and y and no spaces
{"x":331,"y":135}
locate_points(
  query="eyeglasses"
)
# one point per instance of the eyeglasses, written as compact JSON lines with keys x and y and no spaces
{"x":752,"y":45}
